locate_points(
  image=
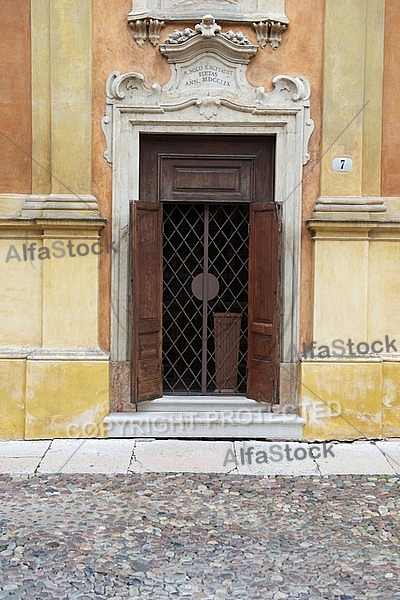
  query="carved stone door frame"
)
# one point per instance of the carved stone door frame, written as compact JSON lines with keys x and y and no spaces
{"x":134,"y":109}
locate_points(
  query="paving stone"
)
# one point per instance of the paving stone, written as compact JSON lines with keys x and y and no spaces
{"x":355,"y":458}
{"x":24,"y":465}
{"x":23,"y":448}
{"x":88,"y":456}
{"x":21,"y":456}
{"x":391,"y":451}
{"x":274,"y":458}
{"x":154,"y":536}
{"x":163,"y":456}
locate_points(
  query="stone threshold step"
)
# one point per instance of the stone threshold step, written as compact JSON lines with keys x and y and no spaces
{"x":203,"y":403}
{"x":205,"y":424}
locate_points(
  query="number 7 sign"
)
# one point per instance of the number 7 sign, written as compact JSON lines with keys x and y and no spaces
{"x":342,"y":164}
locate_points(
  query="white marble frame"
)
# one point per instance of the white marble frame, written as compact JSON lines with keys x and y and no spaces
{"x":286,"y":123}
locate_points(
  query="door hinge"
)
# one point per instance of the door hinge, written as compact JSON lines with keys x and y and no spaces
{"x":278,"y":214}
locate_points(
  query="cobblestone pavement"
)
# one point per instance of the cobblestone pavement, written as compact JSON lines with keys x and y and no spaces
{"x":200,"y":536}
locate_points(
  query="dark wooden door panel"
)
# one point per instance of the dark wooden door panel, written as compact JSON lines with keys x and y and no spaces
{"x":146,"y":228}
{"x":250,"y":157}
{"x":264,"y":254}
{"x":211,"y":179}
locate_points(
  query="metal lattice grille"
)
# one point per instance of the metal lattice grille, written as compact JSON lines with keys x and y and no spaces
{"x":205,"y":326}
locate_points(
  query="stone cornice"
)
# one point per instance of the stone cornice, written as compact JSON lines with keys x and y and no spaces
{"x":346,"y":229}
{"x":56,"y":354}
{"x":63,"y":205}
{"x":48,"y":206}
{"x":148,"y":17}
{"x":349,"y":208}
{"x":40,"y":225}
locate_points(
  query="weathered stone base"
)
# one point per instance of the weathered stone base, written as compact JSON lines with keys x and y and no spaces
{"x":120,"y":374}
{"x":350,"y":399}
{"x":45,"y":399}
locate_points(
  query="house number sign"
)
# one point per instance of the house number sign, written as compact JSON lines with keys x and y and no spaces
{"x":342,"y":164}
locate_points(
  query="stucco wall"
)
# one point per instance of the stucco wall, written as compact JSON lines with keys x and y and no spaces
{"x":15,"y":97}
{"x":391,"y":104}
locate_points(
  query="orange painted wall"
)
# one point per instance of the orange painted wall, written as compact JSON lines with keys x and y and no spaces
{"x":301,"y":53}
{"x":15,"y":97}
{"x":391,"y":104}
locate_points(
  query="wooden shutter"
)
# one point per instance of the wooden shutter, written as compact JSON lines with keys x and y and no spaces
{"x":146,"y":228}
{"x":263,"y":346}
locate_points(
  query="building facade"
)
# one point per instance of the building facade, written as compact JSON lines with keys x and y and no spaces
{"x":199,"y":218}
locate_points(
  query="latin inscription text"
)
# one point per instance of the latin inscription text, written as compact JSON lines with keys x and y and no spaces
{"x":208,"y":73}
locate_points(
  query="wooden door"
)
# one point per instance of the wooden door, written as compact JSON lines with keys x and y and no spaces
{"x":206,"y":169}
{"x":263,"y":346}
{"x":146,"y":228}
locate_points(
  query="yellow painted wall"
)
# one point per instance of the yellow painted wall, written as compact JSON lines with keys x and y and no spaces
{"x":53,"y":374}
{"x":356,"y":280}
{"x":354,"y":390}
{"x":66,"y":398}
{"x":72,"y":323}
{"x":20,"y":293}
{"x":12,"y":394}
{"x":340,"y":294}
{"x":344,"y":46}
{"x":15,"y":97}
{"x":391,"y":104}
{"x":391,"y":398}
{"x":357,"y":287}
{"x":384,"y":286}
{"x":71,"y":95}
{"x":350,"y":400}
{"x":352,"y":106}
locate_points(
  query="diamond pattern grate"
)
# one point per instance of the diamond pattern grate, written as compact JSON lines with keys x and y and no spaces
{"x":204,"y":353}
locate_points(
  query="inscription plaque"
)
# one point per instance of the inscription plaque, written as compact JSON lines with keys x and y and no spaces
{"x":210,"y":74}
{"x":208,"y":61}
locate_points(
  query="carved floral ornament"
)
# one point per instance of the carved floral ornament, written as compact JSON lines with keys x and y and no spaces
{"x":148,"y":17}
{"x":208,"y":75}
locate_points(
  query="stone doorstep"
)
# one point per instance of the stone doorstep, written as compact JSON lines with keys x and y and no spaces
{"x":203,"y":404}
{"x":223,"y":424}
